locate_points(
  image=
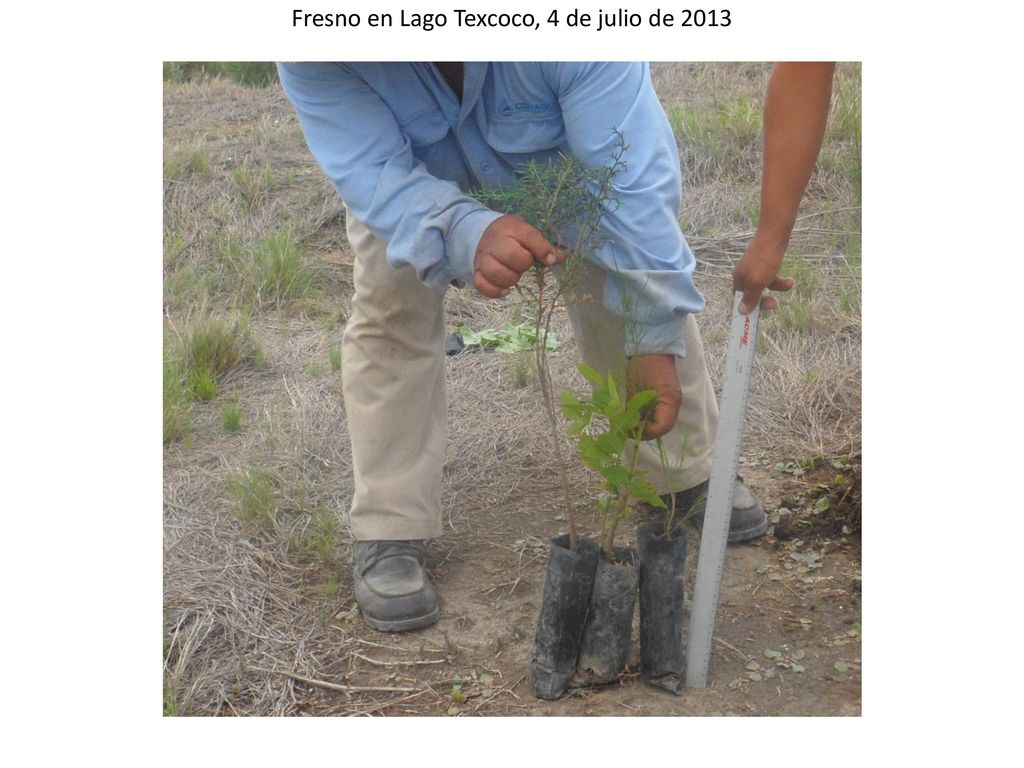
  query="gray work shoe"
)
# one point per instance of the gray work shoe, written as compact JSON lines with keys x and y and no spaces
{"x":392,"y":589}
{"x":748,"y":518}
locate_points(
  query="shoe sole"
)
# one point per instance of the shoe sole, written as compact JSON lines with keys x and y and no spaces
{"x":735,"y":537}
{"x":756,"y":532}
{"x":403,"y":625}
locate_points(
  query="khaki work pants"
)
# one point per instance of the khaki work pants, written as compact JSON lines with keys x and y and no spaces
{"x":394,"y":387}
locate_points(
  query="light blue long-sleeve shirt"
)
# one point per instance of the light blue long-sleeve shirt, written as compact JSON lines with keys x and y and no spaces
{"x":401,"y":148}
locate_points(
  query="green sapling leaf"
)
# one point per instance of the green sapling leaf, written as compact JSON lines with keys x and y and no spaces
{"x":616,"y":474}
{"x":624,"y":422}
{"x":591,"y":375}
{"x":590,"y":453}
{"x":642,"y":489}
{"x":572,"y":408}
{"x":613,"y":391}
{"x":642,"y":400}
{"x":611,"y":443}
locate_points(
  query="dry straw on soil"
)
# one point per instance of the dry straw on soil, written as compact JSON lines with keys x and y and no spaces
{"x":256,"y":614}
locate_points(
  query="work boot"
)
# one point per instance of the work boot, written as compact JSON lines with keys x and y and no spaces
{"x":392,"y":589}
{"x":748,"y":518}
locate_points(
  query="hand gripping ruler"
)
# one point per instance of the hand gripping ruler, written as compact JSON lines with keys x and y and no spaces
{"x":739,"y":364}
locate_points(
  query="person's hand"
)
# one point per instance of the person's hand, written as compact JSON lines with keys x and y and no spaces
{"x":507,"y":249}
{"x":759,"y":269}
{"x":657,"y":372}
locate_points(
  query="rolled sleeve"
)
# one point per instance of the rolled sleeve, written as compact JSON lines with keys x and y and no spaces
{"x":428,"y":223}
{"x":466,"y":234}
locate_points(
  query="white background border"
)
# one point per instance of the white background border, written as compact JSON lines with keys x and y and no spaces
{"x":82,"y":331}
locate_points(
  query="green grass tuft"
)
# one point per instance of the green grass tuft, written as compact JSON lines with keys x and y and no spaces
{"x":334,"y":355}
{"x":718,"y":129}
{"x":203,"y":385}
{"x":320,"y":538}
{"x":841,"y":152}
{"x":182,"y":165}
{"x":252,"y":183}
{"x":803,"y":271}
{"x":797,"y":309}
{"x":256,"y":497}
{"x":330,"y":588}
{"x":177,"y":401}
{"x":194,"y":365}
{"x":213,"y":348}
{"x":275,"y":271}
{"x":522,"y":369}
{"x":797,"y":312}
{"x":231,"y":417}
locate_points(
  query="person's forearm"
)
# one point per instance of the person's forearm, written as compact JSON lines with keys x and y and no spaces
{"x":795,"y":112}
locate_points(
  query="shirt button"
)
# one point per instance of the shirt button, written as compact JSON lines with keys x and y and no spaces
{"x":486,"y":165}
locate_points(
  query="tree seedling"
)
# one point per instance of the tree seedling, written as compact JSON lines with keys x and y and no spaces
{"x":608,"y":431}
{"x":566,"y":201}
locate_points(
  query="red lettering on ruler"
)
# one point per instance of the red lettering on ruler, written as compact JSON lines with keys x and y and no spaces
{"x":746,"y":332}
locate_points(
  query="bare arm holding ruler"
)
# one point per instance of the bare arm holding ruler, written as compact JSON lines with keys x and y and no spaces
{"x":795,"y":114}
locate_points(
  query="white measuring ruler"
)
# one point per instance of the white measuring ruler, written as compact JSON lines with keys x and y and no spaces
{"x":739,"y":363}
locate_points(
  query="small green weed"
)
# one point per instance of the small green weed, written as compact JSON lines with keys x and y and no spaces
{"x":172,"y":697}
{"x":797,"y":313}
{"x":797,"y":309}
{"x":253,"y":183}
{"x":182,"y":165}
{"x":522,"y":369}
{"x":841,"y":152}
{"x":275,"y":271}
{"x":334,"y":355}
{"x":677,"y":121}
{"x":177,"y":401}
{"x":203,"y":385}
{"x":231,"y":416}
{"x":753,"y":210}
{"x":174,"y":246}
{"x":213,"y":348}
{"x":849,"y":299}
{"x":194,"y":364}
{"x":256,"y":495}
{"x":801,"y":466}
{"x":512,"y":339}
{"x":457,"y":695}
{"x":259,"y":357}
{"x":330,"y":588}
{"x":320,"y":538}
{"x":803,"y":271}
{"x":227,"y":250}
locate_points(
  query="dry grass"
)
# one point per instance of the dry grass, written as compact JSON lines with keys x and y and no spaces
{"x":253,"y":609}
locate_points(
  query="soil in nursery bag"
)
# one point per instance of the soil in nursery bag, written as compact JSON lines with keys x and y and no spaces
{"x":662,"y":571}
{"x":563,"y":612}
{"x":604,"y":648}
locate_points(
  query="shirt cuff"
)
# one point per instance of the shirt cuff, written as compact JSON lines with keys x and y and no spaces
{"x":463,"y":239}
{"x":658,"y":339}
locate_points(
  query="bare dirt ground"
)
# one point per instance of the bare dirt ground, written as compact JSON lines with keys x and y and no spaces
{"x":255,"y":624}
